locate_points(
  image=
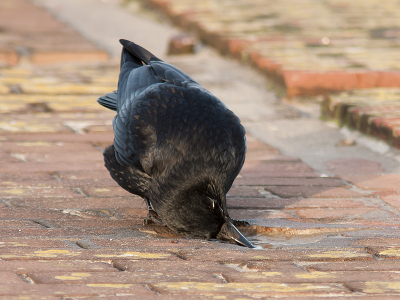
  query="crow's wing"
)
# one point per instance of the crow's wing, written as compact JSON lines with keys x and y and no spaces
{"x":140,"y":71}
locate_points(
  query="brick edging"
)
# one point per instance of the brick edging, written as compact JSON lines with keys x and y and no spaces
{"x":293,"y":82}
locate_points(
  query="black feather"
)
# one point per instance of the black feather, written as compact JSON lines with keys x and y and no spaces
{"x":175,"y":144}
{"x":109,"y":101}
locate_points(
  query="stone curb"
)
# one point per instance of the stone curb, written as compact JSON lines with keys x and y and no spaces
{"x":254,"y":49}
{"x":373,"y":112}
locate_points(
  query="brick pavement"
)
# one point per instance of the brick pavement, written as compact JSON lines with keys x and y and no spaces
{"x":67,"y":231}
{"x":30,"y":33}
{"x":310,"y":48}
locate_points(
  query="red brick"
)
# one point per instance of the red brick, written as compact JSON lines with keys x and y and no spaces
{"x":38,"y":192}
{"x":65,"y":291}
{"x":33,"y":213}
{"x":363,"y":266}
{"x":243,"y":192}
{"x":313,"y":277}
{"x":385,"y":252}
{"x":246,"y":255}
{"x":84,"y":254}
{"x":8,"y":57}
{"x":381,"y":288}
{"x":181,"y":44}
{"x":119,"y":242}
{"x":312,"y":192}
{"x":379,"y":241}
{"x":109,"y":192}
{"x":28,"y":179}
{"x":324,"y":203}
{"x":251,"y":214}
{"x":310,"y":83}
{"x":18,"y":224}
{"x":250,"y":289}
{"x":8,"y":277}
{"x":104,"y":137}
{"x":393,"y":200}
{"x":28,"y":242}
{"x":328,"y":182}
{"x":275,"y":166}
{"x":25,"y":266}
{"x":277,"y":174}
{"x":79,"y":203}
{"x":138,"y":276}
{"x":50,"y":57}
{"x":50,"y":232}
{"x":383,"y":182}
{"x":96,"y":223}
{"x":64,"y":156}
{"x":259,"y":203}
{"x":39,"y":147}
{"x":333,"y":213}
{"x":354,"y":166}
{"x":52,"y":167}
{"x":254,"y":144}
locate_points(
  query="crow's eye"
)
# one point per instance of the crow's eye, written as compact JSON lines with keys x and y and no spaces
{"x":214,"y":204}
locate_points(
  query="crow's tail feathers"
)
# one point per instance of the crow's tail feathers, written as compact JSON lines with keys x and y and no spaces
{"x":109,"y":100}
{"x":136,"y":54}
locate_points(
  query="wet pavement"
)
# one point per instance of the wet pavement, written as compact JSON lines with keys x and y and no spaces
{"x":68,"y":231}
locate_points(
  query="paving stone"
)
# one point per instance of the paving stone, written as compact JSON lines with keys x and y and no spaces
{"x":28,"y":26}
{"x":276,"y":166}
{"x":146,"y":242}
{"x":77,"y":203}
{"x":355,"y":167}
{"x":106,"y":137}
{"x":38,"y":192}
{"x":275,"y":255}
{"x":313,"y":276}
{"x":333,"y":213}
{"x":325,"y":203}
{"x":259,"y":203}
{"x":243,"y":192}
{"x":270,"y":289}
{"x":271,"y":181}
{"x":385,"y":252}
{"x":62,"y":290}
{"x":381,"y":241}
{"x":375,"y":287}
{"x":377,"y":265}
{"x":384,"y":182}
{"x":84,"y":254}
{"x":139,"y":276}
{"x":312,"y":192}
{"x":23,"y":267}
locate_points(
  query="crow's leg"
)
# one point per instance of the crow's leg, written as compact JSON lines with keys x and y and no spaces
{"x":152,"y":216}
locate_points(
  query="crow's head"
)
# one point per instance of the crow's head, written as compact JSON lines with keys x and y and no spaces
{"x":200,"y":212}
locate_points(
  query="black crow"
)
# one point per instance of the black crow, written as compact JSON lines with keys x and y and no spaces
{"x":176,"y":145}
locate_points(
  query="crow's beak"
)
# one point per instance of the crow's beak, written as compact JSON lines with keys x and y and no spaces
{"x":231,"y":234}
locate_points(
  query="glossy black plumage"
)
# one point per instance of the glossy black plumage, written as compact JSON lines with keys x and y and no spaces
{"x":176,"y":145}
